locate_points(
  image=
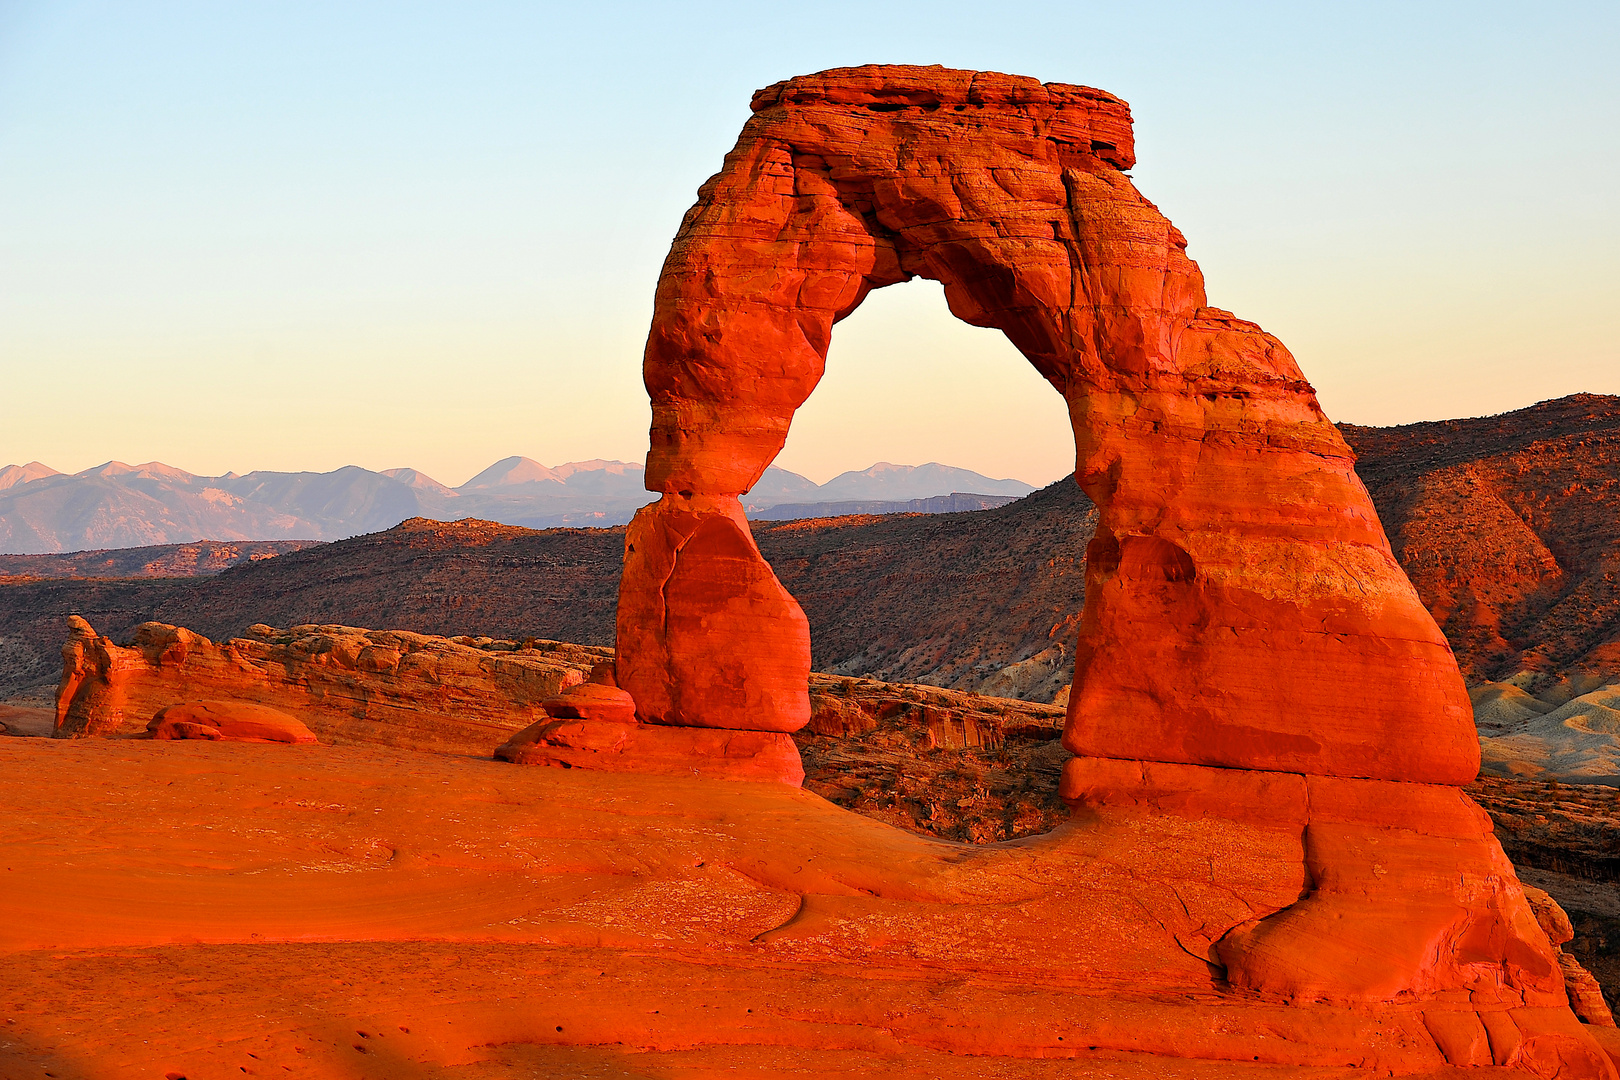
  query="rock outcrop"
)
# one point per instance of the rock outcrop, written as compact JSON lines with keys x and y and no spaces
{"x":1250,"y":656}
{"x":1190,"y":875}
{"x":1270,"y":858}
{"x":462,"y":695}
{"x":1585,"y":996}
{"x":447,"y":916}
{"x":951,"y":599}
{"x":228,"y":721}
{"x":594,"y":726}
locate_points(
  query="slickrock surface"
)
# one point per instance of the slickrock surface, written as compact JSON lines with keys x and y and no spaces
{"x":1231,"y":525}
{"x":657,"y":750}
{"x":1243,"y":608}
{"x":594,"y":726}
{"x":1270,"y":859}
{"x":462,"y":695}
{"x":939,"y":763}
{"x":354,"y":911}
{"x":970,"y":768}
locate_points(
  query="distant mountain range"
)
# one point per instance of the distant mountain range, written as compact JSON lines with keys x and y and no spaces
{"x":954,"y":503}
{"x":117,"y":505}
{"x":1507,"y":526}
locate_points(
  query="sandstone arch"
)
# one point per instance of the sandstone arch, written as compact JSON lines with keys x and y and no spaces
{"x":1243,"y":607}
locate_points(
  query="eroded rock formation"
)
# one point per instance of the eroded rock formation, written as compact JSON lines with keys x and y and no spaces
{"x":346,"y":684}
{"x":228,"y":721}
{"x":1412,"y":945}
{"x":1269,"y":858}
{"x":1250,"y":651}
{"x":594,"y":726}
{"x":1241,"y":590}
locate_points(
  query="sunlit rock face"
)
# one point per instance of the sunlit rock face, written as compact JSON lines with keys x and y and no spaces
{"x":1243,"y":608}
{"x":1250,"y":656}
{"x":340,"y":684}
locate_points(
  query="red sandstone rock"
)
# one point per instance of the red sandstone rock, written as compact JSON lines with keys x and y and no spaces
{"x":1406,"y":896}
{"x":467,"y":911}
{"x":1318,"y":897}
{"x":232,"y":721}
{"x":345,"y":684}
{"x":1585,"y":995}
{"x":385,"y":686}
{"x":594,"y":726}
{"x":707,"y":636}
{"x":708,"y":753}
{"x":592,"y":701}
{"x":1243,"y":608}
{"x":1243,"y":611}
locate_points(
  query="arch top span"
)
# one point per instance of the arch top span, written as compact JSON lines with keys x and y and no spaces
{"x":1081,"y":116}
{"x":858,"y":178}
{"x":1243,"y":607}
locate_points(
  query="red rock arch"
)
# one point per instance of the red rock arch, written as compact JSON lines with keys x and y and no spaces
{"x":1243,"y":607}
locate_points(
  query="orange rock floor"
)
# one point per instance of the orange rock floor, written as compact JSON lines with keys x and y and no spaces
{"x":207,"y":910}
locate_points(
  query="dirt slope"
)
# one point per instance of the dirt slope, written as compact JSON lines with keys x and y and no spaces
{"x":1509,"y":526}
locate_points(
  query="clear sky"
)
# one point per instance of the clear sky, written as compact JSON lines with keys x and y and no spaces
{"x":289,"y":235}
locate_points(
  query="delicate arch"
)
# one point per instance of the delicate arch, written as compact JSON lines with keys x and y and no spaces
{"x":1243,"y":608}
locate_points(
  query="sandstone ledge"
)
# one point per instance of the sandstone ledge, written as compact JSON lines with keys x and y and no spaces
{"x":460,"y":695}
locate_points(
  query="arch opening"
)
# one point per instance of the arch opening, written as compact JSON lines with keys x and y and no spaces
{"x":907,"y":383}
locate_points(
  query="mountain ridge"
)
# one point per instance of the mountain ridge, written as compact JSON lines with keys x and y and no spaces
{"x":116,"y":505}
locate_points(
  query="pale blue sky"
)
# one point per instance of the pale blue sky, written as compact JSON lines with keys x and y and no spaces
{"x":288,"y":235}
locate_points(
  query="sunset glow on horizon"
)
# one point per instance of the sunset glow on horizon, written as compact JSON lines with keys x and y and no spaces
{"x":303,"y":236}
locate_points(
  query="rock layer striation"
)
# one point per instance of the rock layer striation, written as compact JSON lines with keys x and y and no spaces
{"x":346,"y":684}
